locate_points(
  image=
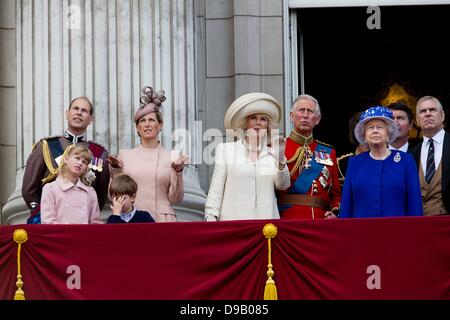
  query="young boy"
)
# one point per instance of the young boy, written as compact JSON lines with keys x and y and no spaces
{"x":123,"y":191}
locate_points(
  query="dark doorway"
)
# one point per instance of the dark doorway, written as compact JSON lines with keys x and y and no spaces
{"x":349,"y":67}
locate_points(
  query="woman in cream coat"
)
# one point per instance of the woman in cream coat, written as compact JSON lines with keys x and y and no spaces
{"x":158,"y":172}
{"x":247,"y":172}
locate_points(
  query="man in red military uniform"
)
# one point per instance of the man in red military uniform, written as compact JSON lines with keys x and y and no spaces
{"x":315,"y":192}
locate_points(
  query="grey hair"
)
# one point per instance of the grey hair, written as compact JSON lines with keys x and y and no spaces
{"x":425,"y":98}
{"x":307,"y":97}
{"x":389,"y":128}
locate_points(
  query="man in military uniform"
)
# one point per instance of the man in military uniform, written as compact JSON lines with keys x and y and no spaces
{"x":42,"y":164}
{"x":342,"y":161}
{"x":314,"y":192}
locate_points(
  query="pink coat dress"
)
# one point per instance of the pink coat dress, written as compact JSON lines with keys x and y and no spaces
{"x":159,"y":185}
{"x":63,"y":202}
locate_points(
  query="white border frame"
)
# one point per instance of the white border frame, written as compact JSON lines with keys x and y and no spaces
{"x":359,"y":3}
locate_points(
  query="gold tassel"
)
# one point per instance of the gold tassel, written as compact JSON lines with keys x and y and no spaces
{"x":270,"y":291}
{"x":20,"y":236}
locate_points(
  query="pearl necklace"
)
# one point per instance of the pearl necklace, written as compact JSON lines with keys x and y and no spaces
{"x":387,"y":154}
{"x":249,"y":147}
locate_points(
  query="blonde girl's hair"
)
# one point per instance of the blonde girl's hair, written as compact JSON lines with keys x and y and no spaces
{"x":74,"y":149}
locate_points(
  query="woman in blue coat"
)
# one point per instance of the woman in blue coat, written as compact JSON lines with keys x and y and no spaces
{"x":380,"y":182}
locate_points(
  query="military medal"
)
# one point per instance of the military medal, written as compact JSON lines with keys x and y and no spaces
{"x":93,"y":164}
{"x":89,"y":178}
{"x":326,"y":172}
{"x":315,"y":189}
{"x":97,"y":164}
{"x":323,"y":158}
{"x":307,"y":165}
{"x":100,"y":165}
{"x":308,"y":158}
{"x":323,"y":182}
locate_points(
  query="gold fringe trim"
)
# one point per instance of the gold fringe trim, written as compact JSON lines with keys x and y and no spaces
{"x":344,"y":156}
{"x":300,"y":155}
{"x":339,"y":168}
{"x":53,"y":172}
{"x":20,"y":236}
{"x":300,"y":152}
{"x":295,"y":156}
{"x":270,"y":290}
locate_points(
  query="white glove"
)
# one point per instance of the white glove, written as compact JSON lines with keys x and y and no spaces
{"x":278,"y":150}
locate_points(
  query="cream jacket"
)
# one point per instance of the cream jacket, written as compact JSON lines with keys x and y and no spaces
{"x":241,"y":189}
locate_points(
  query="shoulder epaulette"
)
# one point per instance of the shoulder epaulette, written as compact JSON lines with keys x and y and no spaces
{"x":325,"y":144}
{"x":51,"y":138}
{"x":344,"y":156}
{"x":45,"y":139}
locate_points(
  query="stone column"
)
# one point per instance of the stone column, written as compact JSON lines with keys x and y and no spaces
{"x":8,"y":100}
{"x":258,"y":42}
{"x":106,"y":50}
{"x":240,"y":46}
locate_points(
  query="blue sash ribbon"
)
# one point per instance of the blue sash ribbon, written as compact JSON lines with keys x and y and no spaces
{"x":305,"y":179}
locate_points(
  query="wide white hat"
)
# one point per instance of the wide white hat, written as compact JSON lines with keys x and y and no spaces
{"x":252,"y":103}
{"x":380,"y":113}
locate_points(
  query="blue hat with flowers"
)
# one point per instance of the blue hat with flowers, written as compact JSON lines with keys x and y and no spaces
{"x":378,"y":113}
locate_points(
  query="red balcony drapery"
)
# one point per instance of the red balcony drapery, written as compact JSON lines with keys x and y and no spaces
{"x":320,"y":259}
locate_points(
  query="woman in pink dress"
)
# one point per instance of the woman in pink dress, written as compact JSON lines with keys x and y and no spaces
{"x":157,"y":171}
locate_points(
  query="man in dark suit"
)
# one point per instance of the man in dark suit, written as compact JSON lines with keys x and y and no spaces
{"x":404,"y":118}
{"x":432,"y":156}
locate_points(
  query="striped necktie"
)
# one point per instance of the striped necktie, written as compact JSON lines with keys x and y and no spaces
{"x":431,"y":170}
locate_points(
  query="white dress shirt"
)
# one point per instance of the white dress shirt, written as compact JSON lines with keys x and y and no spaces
{"x":128,"y":215}
{"x":438,"y":140}
{"x":403,"y":148}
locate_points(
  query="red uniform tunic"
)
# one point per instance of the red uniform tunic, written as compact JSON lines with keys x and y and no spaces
{"x":324,"y":187}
